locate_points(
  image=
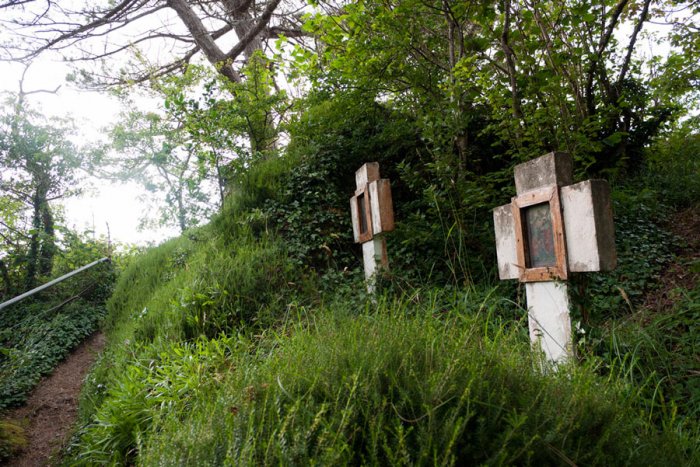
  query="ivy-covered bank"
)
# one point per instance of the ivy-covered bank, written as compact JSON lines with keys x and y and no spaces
{"x":38,"y":332}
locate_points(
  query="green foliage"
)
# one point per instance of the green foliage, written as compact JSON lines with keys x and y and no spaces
{"x":416,"y":380}
{"x":644,"y":249}
{"x":252,"y":341}
{"x":156,"y":151}
{"x":226,"y":348}
{"x":479,"y":87}
{"x":539,"y":77}
{"x":231,"y":125}
{"x":166,"y":379}
{"x":38,"y":164}
{"x":652,"y":349}
{"x":656,"y":352}
{"x":673,"y":167}
{"x":33,"y":346}
{"x":37,"y":333}
{"x":331,"y":139}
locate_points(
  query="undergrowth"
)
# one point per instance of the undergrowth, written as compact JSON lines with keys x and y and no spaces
{"x":222,"y":350}
{"x":415,"y":380}
{"x":33,"y":347}
{"x":37,"y":333}
{"x":252,"y":341}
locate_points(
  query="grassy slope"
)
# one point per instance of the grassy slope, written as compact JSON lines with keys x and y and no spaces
{"x":221,"y":352}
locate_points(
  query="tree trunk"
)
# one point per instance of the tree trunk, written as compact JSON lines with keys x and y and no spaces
{"x":510,"y":64}
{"x":5,"y":275}
{"x":48,"y":243}
{"x":33,"y":253}
{"x":181,"y":212}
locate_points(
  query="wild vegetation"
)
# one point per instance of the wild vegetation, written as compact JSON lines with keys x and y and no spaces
{"x":225,"y":349}
{"x":251,"y":339}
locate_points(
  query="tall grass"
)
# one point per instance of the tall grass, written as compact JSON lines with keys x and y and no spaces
{"x":404,"y":381}
{"x":223,"y":350}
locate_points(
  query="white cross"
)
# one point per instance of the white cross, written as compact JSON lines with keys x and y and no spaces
{"x":552,"y":228}
{"x":372,"y":215}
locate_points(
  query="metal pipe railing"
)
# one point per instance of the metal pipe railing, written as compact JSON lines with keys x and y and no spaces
{"x":51,"y":283}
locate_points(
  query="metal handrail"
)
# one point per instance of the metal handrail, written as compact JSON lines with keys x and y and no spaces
{"x":51,"y":283}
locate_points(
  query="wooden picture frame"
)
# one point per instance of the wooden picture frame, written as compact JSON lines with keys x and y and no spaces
{"x":551,"y":264}
{"x":364,"y":216}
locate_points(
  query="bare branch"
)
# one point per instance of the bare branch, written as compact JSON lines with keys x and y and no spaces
{"x":13,"y":3}
{"x":275,"y":32}
{"x":110,"y":15}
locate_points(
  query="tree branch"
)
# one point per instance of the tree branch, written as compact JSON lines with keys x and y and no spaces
{"x":510,"y":61}
{"x":602,"y":45}
{"x":120,"y":9}
{"x":205,"y":41}
{"x":254,"y":31}
{"x":630,"y":48}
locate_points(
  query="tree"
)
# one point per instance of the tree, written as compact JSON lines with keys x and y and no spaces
{"x":198,"y":140}
{"x":486,"y":85}
{"x":178,"y":30}
{"x":12,"y":236}
{"x":39,"y":166}
{"x":539,"y":75}
{"x":116,"y":29}
{"x":154,"y":150}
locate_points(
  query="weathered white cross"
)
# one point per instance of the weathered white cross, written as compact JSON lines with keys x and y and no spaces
{"x":372,"y":215}
{"x":552,"y":228}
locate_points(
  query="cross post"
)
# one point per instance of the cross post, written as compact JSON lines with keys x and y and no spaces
{"x":372,"y":215}
{"x":550,"y":229}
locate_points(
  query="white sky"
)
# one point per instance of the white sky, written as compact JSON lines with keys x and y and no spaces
{"x":104,"y":202}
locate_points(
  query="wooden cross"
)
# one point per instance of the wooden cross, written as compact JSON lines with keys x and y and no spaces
{"x":372,"y":216}
{"x":550,"y":229}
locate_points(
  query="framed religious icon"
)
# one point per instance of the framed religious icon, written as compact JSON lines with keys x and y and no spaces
{"x":539,"y":235}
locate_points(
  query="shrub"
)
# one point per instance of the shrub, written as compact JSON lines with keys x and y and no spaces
{"x":673,"y":165}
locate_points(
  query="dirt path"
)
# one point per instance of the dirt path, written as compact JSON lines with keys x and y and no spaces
{"x":52,"y":407}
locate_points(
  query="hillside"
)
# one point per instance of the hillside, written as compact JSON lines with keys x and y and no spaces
{"x":224,"y":348}
{"x":540,"y":143}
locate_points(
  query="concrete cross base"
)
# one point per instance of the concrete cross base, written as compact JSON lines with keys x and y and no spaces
{"x":548,"y":319}
{"x":374,"y":256}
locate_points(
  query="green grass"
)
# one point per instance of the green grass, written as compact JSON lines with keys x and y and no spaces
{"x":404,"y":382}
{"x":656,"y":352}
{"x":224,"y":349}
